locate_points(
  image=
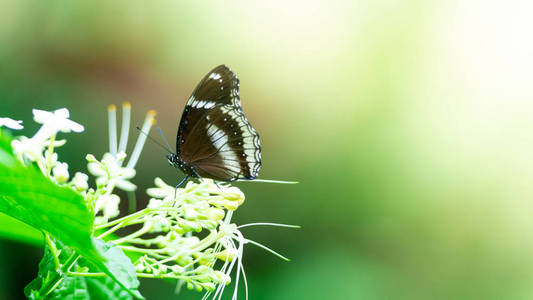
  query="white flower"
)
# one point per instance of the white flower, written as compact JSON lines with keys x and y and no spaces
{"x":58,"y":120}
{"x":10,"y":123}
{"x":60,"y":172}
{"x":53,"y":122}
{"x":29,"y":148}
{"x":110,"y":171}
{"x":108,"y":204}
{"x":162,"y":190}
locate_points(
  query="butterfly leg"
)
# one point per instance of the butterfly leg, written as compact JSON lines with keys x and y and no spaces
{"x":200,"y":178}
{"x":216,"y":183}
{"x":179,"y":184}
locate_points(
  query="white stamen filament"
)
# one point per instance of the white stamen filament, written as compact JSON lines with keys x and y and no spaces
{"x":245,"y":280}
{"x":267,"y":249}
{"x":220,"y":287}
{"x":229,"y":268}
{"x":237,"y":276}
{"x":148,"y":122}
{"x":112,"y":117}
{"x":240,"y":268}
{"x":269,"y":181}
{"x":268,"y":224}
{"x":124,"y":131}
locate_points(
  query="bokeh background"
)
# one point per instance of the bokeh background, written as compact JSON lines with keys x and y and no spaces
{"x":408,"y":123}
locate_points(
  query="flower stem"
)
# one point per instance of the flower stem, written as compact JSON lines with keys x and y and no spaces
{"x":86,"y":274}
{"x":137,"y":233}
{"x":53,"y":249}
{"x":149,"y":275}
{"x":124,"y":219}
{"x":50,"y":152}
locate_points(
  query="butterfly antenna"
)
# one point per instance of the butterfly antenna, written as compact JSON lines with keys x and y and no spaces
{"x":164,"y":139}
{"x":153,"y":140}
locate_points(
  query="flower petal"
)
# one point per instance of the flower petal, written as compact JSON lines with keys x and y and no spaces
{"x":126,"y":185}
{"x":10,"y":123}
{"x":41,"y":116}
{"x":68,"y":125}
{"x":62,"y":113}
{"x":96,"y":169}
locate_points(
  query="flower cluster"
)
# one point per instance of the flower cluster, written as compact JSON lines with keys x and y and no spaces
{"x":40,"y":147}
{"x":174,"y":215}
{"x":165,"y":233}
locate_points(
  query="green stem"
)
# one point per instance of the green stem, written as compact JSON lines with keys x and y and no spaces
{"x":110,"y":231}
{"x":149,"y":275}
{"x":151,"y":252}
{"x":138,"y":233}
{"x":59,"y":276}
{"x":53,"y":249}
{"x":206,"y":242}
{"x":124,"y":219}
{"x":86,"y":274}
{"x":50,"y":152}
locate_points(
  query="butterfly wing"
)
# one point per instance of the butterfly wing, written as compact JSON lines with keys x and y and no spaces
{"x":214,"y":135}
{"x":219,"y":86}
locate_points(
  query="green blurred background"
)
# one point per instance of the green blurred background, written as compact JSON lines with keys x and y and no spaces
{"x":408,"y":124}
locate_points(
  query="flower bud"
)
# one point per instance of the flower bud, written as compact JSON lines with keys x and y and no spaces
{"x":176,"y":269}
{"x":208,"y":286}
{"x":215,"y":214}
{"x":230,"y":205}
{"x":121,"y":156}
{"x":139,"y":268}
{"x":190,"y":213}
{"x":234,"y":193}
{"x":80,"y":181}
{"x":225,"y":255}
{"x":90,"y":158}
{"x":60,"y":172}
{"x":154,"y":203}
{"x":108,"y":204}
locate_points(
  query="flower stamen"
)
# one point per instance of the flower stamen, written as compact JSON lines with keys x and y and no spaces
{"x":148,"y":122}
{"x":124,"y":131}
{"x":112,"y":119}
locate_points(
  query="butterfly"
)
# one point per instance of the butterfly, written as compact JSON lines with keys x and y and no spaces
{"x":215,"y":140}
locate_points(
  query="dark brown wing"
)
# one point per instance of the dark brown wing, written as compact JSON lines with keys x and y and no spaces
{"x":218,"y":87}
{"x":224,"y":145}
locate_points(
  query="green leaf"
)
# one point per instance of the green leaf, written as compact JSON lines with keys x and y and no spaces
{"x":119,"y":266}
{"x":88,"y":288}
{"x":27,"y":195}
{"x":78,"y":287}
{"x":48,"y":275}
{"x":13,"y":229}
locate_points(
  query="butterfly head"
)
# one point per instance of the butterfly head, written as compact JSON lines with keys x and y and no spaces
{"x":172,"y":159}
{"x":176,"y":162}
